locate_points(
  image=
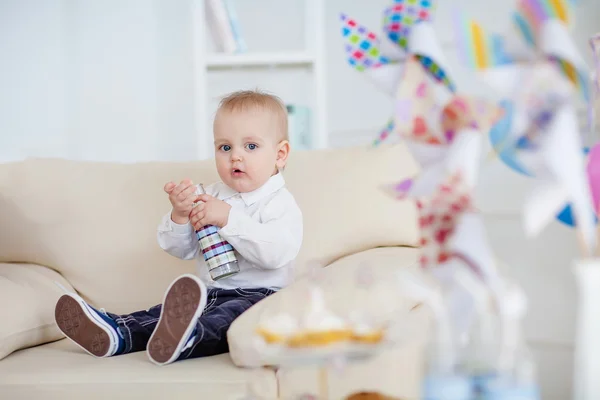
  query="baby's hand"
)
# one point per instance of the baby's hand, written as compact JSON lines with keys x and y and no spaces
{"x":182,"y":198}
{"x":210,"y":212}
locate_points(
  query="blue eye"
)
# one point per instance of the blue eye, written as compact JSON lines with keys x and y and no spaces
{"x":251,"y":146}
{"x":226,"y":147}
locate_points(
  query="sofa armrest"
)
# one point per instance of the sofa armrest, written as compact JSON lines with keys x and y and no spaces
{"x":27,"y":298}
{"x":343,"y":294}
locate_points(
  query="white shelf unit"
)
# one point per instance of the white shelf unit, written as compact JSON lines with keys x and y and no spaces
{"x":312,"y":58}
{"x":260,"y":59}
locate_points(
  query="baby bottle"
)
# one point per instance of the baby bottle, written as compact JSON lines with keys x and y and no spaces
{"x":218,"y":254}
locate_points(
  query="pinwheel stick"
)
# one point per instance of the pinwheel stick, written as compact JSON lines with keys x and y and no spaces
{"x":597,"y":250}
{"x":586,"y":252}
{"x":595,"y":45}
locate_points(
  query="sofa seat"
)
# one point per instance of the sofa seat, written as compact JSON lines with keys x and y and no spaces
{"x":61,"y":370}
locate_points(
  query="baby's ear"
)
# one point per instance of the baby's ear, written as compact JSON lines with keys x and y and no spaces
{"x":283,"y":151}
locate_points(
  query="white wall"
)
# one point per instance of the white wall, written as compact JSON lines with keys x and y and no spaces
{"x":33,"y":116}
{"x":109,"y":80}
{"x":112,"y":80}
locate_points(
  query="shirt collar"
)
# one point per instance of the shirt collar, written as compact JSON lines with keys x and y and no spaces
{"x":274,"y":183}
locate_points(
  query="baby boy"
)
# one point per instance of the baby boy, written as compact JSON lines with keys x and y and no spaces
{"x":252,"y":210}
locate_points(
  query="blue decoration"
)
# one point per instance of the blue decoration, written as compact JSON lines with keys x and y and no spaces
{"x":509,"y":156}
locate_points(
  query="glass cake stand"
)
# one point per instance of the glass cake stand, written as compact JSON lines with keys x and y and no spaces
{"x":323,"y":357}
{"x":337,"y":355}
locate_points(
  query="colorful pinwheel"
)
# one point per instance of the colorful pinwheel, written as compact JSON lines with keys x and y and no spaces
{"x":453,"y":239}
{"x":408,"y":35}
{"x":538,"y":72}
{"x":408,"y":64}
{"x":429,"y":126}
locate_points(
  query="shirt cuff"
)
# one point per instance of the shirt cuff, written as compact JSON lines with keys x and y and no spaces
{"x":234,"y":222}
{"x":167,"y":225}
{"x":186,"y":228}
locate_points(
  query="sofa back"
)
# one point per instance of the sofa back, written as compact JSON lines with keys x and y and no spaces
{"x":95,"y":223}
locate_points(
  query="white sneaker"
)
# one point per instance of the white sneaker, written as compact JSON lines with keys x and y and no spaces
{"x":182,"y":305}
{"x":92,"y":330}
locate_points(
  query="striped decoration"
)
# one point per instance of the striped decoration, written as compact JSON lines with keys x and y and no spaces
{"x":399,"y":18}
{"x":361,"y":45}
{"x":531,"y":14}
{"x":215,"y":250}
{"x":529,"y":17}
{"x":477,"y":48}
{"x":574,"y":75}
{"x":385,"y":133}
{"x":436,"y":71}
{"x":397,"y":23}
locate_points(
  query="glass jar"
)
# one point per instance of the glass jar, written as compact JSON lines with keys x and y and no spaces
{"x":218,"y":254}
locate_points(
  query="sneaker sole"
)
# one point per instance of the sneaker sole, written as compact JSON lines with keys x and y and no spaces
{"x":184,"y":302}
{"x":78,"y":323}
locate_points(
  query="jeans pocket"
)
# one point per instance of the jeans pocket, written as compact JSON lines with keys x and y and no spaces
{"x":243,"y":293}
{"x":254,"y":293}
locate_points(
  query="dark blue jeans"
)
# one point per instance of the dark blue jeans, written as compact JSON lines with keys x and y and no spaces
{"x":223,"y":306}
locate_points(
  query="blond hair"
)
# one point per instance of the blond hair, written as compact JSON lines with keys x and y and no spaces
{"x":255,"y":99}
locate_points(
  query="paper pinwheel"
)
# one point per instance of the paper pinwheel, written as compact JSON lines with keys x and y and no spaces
{"x":430,"y":129}
{"x":449,"y":223}
{"x":409,"y":66}
{"x":408,"y":35}
{"x":453,"y":239}
{"x":538,"y":71}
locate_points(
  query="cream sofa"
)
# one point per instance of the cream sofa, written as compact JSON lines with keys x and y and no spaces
{"x":92,"y":228}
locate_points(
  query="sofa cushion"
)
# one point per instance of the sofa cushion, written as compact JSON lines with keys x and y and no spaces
{"x":343,"y":293}
{"x":345,"y":210}
{"x":62,"y":370}
{"x":27,"y":298}
{"x":96,"y":223}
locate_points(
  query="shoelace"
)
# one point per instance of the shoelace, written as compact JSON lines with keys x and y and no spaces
{"x":189,"y":343}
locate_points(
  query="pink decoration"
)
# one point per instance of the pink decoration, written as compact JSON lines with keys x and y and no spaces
{"x":438,"y":218}
{"x":593,"y":173}
{"x":422,"y":90}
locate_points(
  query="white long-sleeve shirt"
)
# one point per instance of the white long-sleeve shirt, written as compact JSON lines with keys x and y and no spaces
{"x":264,"y":228}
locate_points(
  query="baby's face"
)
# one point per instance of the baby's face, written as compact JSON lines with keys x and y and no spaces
{"x":246,"y":148}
